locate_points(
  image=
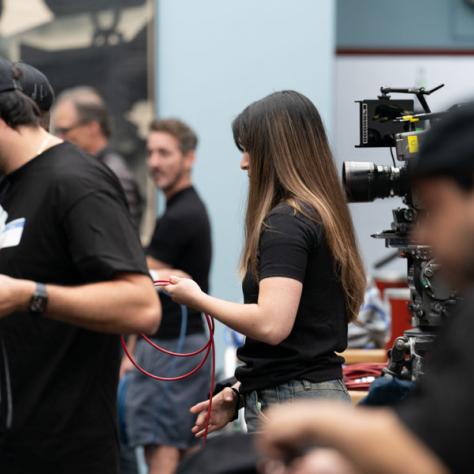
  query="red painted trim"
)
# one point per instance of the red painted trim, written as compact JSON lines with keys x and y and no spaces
{"x":403,"y":52}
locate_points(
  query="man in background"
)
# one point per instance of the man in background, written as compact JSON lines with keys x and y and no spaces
{"x":81,"y":117}
{"x":158,"y":416}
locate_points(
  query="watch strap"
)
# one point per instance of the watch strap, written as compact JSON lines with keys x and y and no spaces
{"x":39,"y":300}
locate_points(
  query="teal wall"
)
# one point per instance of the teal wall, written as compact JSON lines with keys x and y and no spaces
{"x":405,"y":24}
{"x":213,"y":57}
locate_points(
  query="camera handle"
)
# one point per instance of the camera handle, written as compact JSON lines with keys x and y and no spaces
{"x":397,"y":357}
{"x":420,"y":93}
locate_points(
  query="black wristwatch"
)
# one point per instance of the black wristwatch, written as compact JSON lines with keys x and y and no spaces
{"x":39,"y":300}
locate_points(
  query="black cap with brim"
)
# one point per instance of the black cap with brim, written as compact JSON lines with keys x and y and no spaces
{"x":448,"y":147}
{"x":8,"y":82}
{"x":35,"y":85}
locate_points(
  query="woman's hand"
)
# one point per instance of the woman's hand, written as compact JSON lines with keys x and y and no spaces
{"x":184,"y":291}
{"x":224,"y":405}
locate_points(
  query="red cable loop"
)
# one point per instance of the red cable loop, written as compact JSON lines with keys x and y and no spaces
{"x":209,"y":348}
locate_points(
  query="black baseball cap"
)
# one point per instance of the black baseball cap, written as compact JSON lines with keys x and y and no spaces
{"x":35,"y":85}
{"x":8,"y":82}
{"x":448,"y":146}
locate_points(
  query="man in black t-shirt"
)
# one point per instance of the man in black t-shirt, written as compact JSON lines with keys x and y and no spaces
{"x":158,"y":415}
{"x":72,"y":277}
{"x":432,"y":431}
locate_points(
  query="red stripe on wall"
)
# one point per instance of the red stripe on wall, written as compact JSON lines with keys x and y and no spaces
{"x":403,"y":52}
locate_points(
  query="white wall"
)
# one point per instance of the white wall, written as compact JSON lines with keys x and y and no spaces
{"x":213,"y":58}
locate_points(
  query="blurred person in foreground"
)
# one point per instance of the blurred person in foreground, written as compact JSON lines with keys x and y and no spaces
{"x":432,"y":431}
{"x":157,"y":413}
{"x":72,"y":277}
{"x":81,"y":117}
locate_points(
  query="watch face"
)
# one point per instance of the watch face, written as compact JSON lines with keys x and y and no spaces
{"x":37,"y":304}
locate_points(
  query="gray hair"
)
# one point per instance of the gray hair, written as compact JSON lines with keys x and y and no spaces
{"x":89,"y":105}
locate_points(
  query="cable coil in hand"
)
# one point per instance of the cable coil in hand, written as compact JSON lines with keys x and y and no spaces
{"x":208,"y":349}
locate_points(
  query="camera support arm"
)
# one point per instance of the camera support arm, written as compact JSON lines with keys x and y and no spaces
{"x":420,"y":93}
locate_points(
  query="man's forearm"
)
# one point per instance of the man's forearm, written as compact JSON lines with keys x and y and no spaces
{"x":128,"y":304}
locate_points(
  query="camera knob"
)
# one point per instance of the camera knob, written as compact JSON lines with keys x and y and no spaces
{"x":429,"y":272}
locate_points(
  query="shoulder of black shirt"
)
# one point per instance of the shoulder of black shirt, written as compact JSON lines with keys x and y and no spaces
{"x":284,"y":217}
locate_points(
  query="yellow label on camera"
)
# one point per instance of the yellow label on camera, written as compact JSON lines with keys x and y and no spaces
{"x":413,"y":144}
{"x":410,"y":118}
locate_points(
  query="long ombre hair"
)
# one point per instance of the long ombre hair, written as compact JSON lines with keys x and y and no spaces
{"x":290,"y":161}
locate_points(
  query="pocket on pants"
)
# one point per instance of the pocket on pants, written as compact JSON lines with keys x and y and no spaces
{"x":331,"y":390}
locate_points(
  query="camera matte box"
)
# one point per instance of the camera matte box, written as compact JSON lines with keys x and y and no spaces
{"x":377,"y":126}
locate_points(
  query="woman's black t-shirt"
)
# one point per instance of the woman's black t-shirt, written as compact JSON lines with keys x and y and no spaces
{"x":294,"y":246}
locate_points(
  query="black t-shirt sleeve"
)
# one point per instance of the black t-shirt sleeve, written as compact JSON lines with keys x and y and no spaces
{"x":101,"y":237}
{"x":285,"y":244}
{"x":171,"y":234}
{"x":440,"y":413}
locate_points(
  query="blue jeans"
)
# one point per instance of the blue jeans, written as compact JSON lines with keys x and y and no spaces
{"x":257,"y":401}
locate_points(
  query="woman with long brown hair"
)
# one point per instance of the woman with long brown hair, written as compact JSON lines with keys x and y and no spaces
{"x":303,"y":279}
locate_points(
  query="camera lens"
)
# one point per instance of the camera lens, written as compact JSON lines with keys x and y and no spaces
{"x":365,"y":181}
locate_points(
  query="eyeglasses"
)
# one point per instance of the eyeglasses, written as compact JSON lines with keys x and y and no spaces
{"x":65,"y":130}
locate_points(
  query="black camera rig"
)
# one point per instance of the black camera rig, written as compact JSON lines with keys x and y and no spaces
{"x":393,"y":124}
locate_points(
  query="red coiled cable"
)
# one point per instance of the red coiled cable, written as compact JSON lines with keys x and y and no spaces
{"x":208,"y":348}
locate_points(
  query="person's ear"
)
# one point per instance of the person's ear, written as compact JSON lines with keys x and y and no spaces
{"x":189,"y":159}
{"x":3,"y":124}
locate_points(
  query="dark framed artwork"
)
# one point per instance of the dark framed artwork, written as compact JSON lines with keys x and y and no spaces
{"x":105,"y":44}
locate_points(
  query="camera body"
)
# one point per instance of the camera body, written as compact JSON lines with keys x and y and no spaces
{"x":392,"y":124}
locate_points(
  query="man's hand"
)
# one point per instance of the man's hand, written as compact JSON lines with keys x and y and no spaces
{"x":224,"y":405}
{"x":322,"y":461}
{"x":355,"y":433}
{"x":290,"y":427}
{"x":318,"y":461}
{"x":15,"y":294}
{"x":185,"y":291}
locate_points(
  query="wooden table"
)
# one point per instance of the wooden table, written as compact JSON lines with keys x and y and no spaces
{"x":354,"y":356}
{"x":357,"y":396}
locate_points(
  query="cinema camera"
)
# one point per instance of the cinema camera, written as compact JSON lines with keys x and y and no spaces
{"x":388,"y":123}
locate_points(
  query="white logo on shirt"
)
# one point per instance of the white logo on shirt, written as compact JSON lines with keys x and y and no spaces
{"x":10,"y":234}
